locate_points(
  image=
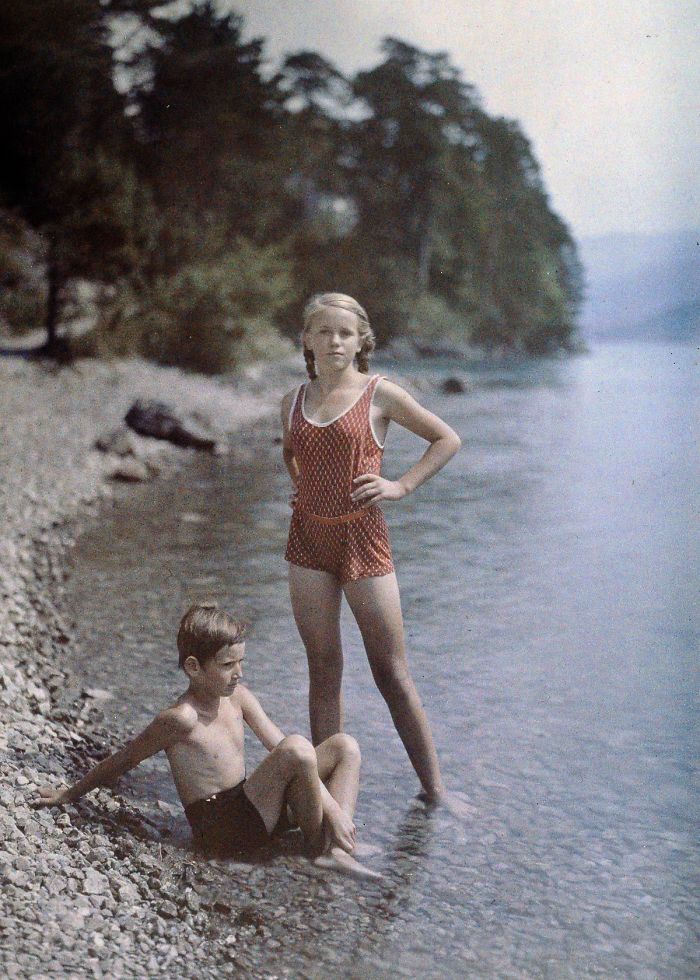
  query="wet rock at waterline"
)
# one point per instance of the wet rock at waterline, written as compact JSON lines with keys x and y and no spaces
{"x":159,"y":421}
{"x":453,"y":386}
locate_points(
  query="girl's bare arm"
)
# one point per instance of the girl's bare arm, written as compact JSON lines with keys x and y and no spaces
{"x":398,"y":406}
{"x":287,"y":451}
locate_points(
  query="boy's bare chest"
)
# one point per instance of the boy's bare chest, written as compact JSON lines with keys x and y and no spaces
{"x":222,"y":735}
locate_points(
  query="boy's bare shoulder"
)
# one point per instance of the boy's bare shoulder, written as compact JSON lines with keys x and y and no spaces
{"x":243,"y":695}
{"x":180,"y":718}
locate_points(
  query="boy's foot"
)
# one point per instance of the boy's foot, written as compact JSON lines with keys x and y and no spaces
{"x":339,"y":860}
{"x":454,"y":803}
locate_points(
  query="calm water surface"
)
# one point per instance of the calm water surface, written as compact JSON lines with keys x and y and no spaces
{"x":549,"y":582}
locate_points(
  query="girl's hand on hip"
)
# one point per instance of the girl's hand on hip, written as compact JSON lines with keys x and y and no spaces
{"x":370,"y":489}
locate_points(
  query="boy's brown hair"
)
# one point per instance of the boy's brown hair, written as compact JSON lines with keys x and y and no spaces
{"x":204,"y":629}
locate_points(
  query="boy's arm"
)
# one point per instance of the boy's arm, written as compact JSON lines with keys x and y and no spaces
{"x":259,"y":723}
{"x":170,"y":726}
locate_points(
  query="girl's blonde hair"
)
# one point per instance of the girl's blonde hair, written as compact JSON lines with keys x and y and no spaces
{"x":342,"y":302}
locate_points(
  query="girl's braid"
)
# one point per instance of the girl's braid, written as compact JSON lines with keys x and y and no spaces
{"x":310,"y":363}
{"x":363,"y":355}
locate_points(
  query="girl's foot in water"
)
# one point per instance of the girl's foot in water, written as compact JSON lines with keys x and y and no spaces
{"x":454,"y":803}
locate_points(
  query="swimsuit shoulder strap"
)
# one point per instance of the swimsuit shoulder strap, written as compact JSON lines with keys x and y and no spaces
{"x":374,"y":381}
{"x":365,"y":399}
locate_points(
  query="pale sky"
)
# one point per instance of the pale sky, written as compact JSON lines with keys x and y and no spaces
{"x":606,"y":90}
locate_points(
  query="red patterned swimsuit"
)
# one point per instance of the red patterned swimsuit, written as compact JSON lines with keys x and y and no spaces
{"x":328,"y":532}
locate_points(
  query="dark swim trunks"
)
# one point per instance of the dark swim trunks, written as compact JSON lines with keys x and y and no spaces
{"x":227,"y":823}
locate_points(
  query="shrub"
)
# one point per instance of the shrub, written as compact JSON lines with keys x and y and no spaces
{"x":207,"y":316}
{"x":22,"y":285}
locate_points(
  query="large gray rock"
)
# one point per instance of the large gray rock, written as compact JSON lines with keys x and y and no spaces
{"x":159,"y":421}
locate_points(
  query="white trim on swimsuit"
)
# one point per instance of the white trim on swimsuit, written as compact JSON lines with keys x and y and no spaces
{"x":322,"y":425}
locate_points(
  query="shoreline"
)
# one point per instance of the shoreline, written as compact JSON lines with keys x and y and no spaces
{"x":92,"y":889}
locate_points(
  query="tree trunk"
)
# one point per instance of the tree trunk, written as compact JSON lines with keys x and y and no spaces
{"x":55,"y":347}
{"x":424,"y":259}
{"x":52,"y":305}
{"x":425,"y":235}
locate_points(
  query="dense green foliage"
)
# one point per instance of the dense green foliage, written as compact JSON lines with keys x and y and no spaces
{"x":205,"y":200}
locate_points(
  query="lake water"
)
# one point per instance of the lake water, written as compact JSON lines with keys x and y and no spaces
{"x":549,"y":582}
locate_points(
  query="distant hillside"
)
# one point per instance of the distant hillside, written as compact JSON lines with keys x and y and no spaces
{"x":644,"y":287}
{"x":682,"y":323}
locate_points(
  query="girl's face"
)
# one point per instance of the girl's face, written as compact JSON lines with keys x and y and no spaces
{"x":334,"y":338}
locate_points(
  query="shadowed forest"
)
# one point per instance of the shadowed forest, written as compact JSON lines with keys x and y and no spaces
{"x":162,"y":183}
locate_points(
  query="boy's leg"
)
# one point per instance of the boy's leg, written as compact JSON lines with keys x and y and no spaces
{"x":316,"y":598}
{"x":289,"y":774}
{"x":339,"y":768}
{"x":376,"y":606}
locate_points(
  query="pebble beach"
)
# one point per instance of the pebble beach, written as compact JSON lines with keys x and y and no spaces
{"x":96,"y":889}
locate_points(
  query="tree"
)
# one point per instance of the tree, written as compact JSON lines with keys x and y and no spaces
{"x":394,"y":185}
{"x":418,"y":105}
{"x":529,"y":256}
{"x":456,"y":198}
{"x":317,"y":97}
{"x":208,"y":125}
{"x":208,"y":315}
{"x":61,"y":128}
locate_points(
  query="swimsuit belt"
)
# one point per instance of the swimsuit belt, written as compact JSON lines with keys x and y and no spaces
{"x":354,"y":515}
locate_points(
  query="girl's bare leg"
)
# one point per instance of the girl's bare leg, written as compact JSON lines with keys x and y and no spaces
{"x":316,"y":598}
{"x":376,"y":605}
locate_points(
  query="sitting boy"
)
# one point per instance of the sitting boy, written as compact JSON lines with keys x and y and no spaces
{"x":202,"y":736}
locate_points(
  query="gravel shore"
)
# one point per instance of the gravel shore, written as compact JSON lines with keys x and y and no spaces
{"x":97,"y":889}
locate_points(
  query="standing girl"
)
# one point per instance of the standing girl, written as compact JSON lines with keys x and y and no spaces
{"x":334,"y":430}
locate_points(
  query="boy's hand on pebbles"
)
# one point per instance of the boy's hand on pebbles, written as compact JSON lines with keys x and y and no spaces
{"x":370,"y":489}
{"x":51,"y":796}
